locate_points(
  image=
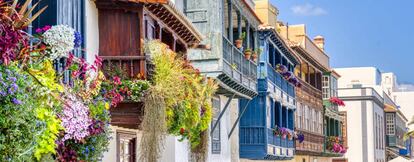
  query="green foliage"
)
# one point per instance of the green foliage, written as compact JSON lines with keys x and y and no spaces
{"x":18,"y":126}
{"x":46,"y":142}
{"x":186,"y":96}
{"x":242,"y":36}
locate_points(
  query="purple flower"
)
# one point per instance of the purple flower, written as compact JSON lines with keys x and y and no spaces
{"x":3,"y":93}
{"x":78,"y":39}
{"x":16,"y":101}
{"x":13,"y":88}
{"x":13,"y":79}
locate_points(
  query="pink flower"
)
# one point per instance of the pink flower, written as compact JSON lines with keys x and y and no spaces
{"x":117,"y":80}
{"x":39,"y":30}
{"x":46,"y":28}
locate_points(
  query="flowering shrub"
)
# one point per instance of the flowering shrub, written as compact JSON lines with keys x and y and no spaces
{"x":42,"y":119}
{"x":287,"y":75}
{"x":335,"y":145}
{"x":336,"y":101}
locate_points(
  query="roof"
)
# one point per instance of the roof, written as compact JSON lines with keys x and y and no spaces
{"x":389,"y":108}
{"x":171,"y":16}
{"x":284,"y":44}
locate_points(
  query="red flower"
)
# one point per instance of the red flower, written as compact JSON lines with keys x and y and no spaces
{"x":337,"y":101}
{"x":182,"y":131}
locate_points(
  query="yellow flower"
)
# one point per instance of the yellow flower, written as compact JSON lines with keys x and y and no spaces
{"x":107,"y":106}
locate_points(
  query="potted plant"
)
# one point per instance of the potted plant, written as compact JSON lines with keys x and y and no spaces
{"x":256,"y":54}
{"x":239,"y":42}
{"x":247,"y":53}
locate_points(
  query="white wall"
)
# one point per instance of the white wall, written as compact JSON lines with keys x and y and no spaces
{"x":91,"y":31}
{"x":406,"y":102}
{"x":229,"y":147}
{"x":367,"y":76}
{"x":354,"y":133}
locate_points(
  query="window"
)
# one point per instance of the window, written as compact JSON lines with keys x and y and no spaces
{"x":320,"y":118}
{"x":390,"y":124}
{"x":314,"y":120}
{"x":126,"y":146}
{"x":306,"y":117}
{"x":299,"y":115}
{"x":325,"y":87}
{"x":215,"y":137}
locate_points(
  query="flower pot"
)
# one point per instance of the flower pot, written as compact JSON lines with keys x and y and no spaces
{"x":254,"y":57}
{"x":247,"y":55}
{"x":238,"y":43}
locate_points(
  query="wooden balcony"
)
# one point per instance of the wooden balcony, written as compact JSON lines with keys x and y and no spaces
{"x":309,"y":95}
{"x":127,"y":114}
{"x":239,"y":73}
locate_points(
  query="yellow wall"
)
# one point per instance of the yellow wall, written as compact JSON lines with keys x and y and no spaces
{"x":266,"y":12}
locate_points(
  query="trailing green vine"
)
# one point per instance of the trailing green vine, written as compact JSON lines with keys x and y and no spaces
{"x":182,"y":98}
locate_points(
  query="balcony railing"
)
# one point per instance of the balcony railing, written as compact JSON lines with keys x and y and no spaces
{"x":278,"y":140}
{"x":238,"y":67}
{"x":128,"y":66}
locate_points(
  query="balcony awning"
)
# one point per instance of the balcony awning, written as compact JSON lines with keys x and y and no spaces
{"x":176,"y":20}
{"x":281,"y":43}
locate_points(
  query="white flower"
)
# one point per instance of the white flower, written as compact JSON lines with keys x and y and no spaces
{"x":61,"y":39}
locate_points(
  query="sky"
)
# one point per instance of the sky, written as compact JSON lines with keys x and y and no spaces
{"x":377,"y":33}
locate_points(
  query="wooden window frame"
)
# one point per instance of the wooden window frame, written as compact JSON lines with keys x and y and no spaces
{"x":133,"y":137}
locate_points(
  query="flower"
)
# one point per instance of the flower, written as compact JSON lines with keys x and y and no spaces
{"x":16,"y":101}
{"x":39,"y":30}
{"x":75,"y":119}
{"x":46,"y":28}
{"x":117,"y":80}
{"x":61,"y":40}
{"x":107,"y":105}
{"x":78,"y":39}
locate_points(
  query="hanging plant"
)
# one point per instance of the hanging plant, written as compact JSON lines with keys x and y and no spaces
{"x":178,"y":102}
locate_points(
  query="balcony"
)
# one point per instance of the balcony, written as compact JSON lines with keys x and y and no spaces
{"x":127,"y":114}
{"x":278,"y":88}
{"x":239,"y":73}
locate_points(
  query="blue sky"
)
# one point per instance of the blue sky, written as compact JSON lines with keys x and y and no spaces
{"x":376,"y":33}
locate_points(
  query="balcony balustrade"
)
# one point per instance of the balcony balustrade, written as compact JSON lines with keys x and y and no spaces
{"x":239,"y":68}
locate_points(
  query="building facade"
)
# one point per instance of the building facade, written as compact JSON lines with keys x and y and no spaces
{"x":335,"y":144}
{"x":230,"y":28}
{"x":309,"y":103}
{"x":395,"y":124}
{"x":360,"y":88}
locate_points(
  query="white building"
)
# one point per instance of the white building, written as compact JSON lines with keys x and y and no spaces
{"x":360,"y":88}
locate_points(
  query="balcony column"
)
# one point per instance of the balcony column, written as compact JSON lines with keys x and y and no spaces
{"x":280,"y":114}
{"x":328,"y":127}
{"x":230,"y":20}
{"x":247,"y":34}
{"x":239,"y":27}
{"x":287,"y":117}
